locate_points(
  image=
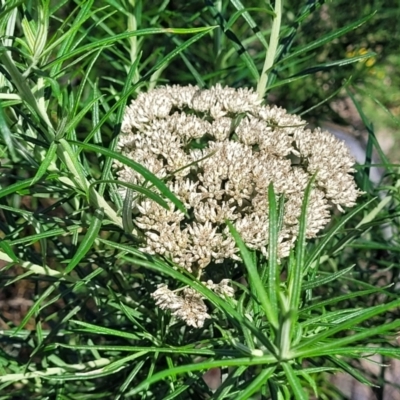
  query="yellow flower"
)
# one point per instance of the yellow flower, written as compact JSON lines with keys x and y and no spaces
{"x":369,"y":62}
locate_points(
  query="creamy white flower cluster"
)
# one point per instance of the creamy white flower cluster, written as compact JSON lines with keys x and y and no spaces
{"x":218,"y":150}
{"x":190,"y":306}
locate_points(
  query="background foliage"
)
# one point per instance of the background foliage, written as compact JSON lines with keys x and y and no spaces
{"x":76,"y":316}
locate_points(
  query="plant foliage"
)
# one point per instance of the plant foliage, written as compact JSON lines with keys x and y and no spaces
{"x":86,"y":326}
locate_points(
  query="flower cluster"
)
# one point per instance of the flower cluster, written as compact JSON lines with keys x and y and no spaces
{"x":189,"y":307}
{"x":218,"y":150}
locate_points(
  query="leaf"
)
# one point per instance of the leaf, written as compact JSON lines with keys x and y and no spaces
{"x":253,"y":25}
{"x":255,"y":385}
{"x":294,"y":382}
{"x":158,"y":183}
{"x":273,"y":268}
{"x":78,"y":118}
{"x":295,"y":279}
{"x":36,"y":306}
{"x":326,"y":279}
{"x":332,"y":232}
{"x":87,"y":241}
{"x":100,"y":330}
{"x":73,"y":165}
{"x":7,"y":135}
{"x":15,"y":187}
{"x":44,"y":166}
{"x":327,"y":38}
{"x":120,"y":106}
{"x":344,"y":366}
{"x":11,"y":7}
{"x":5,"y":246}
{"x":364,"y":315}
{"x":109,"y":41}
{"x":255,"y":279}
{"x":200,"y":366}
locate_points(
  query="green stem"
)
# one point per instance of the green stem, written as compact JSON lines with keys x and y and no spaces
{"x":135,"y":8}
{"x":271,"y":52}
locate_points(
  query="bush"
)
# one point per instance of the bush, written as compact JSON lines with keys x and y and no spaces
{"x":85,"y":324}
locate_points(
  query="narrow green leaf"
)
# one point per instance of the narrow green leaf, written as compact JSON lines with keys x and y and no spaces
{"x":29,"y":30}
{"x":51,"y":233}
{"x":230,"y":383}
{"x":326,"y":279}
{"x":344,"y":366}
{"x":82,"y":87}
{"x":124,"y":248}
{"x":158,"y":183}
{"x":335,"y":300}
{"x":126,"y":214}
{"x":165,"y":61}
{"x":246,"y":15}
{"x":15,"y":187}
{"x":325,"y":319}
{"x":73,"y":164}
{"x":115,"y":365}
{"x":353,"y":351}
{"x":255,"y":279}
{"x":127,"y":89}
{"x":97,"y":138}
{"x":295,"y":279}
{"x":42,"y":29}
{"x":34,"y":309}
{"x":328,"y":98}
{"x":44,"y":165}
{"x":149,"y":349}
{"x":178,"y":390}
{"x":294,"y":382}
{"x":5,"y":246}
{"x":327,"y":38}
{"x":7,"y":135}
{"x":25,"y":92}
{"x":127,"y":382}
{"x":202,"y":366}
{"x":258,"y":10}
{"x":249,"y":62}
{"x":368,"y":93}
{"x":260,"y":380}
{"x":287,"y":41}
{"x":305,"y":374}
{"x":59,"y":373}
{"x":329,"y":65}
{"x":78,"y":118}
{"x":350,"y":324}
{"x":100,"y":330}
{"x":272,"y":266}
{"x":87,"y":241}
{"x":109,"y":41}
{"x":196,"y":74}
{"x":140,"y":189}
{"x":332,"y":232}
{"x":68,"y":39}
{"x":11,"y":7}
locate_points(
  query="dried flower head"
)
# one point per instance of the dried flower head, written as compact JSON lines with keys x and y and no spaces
{"x":233,"y":148}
